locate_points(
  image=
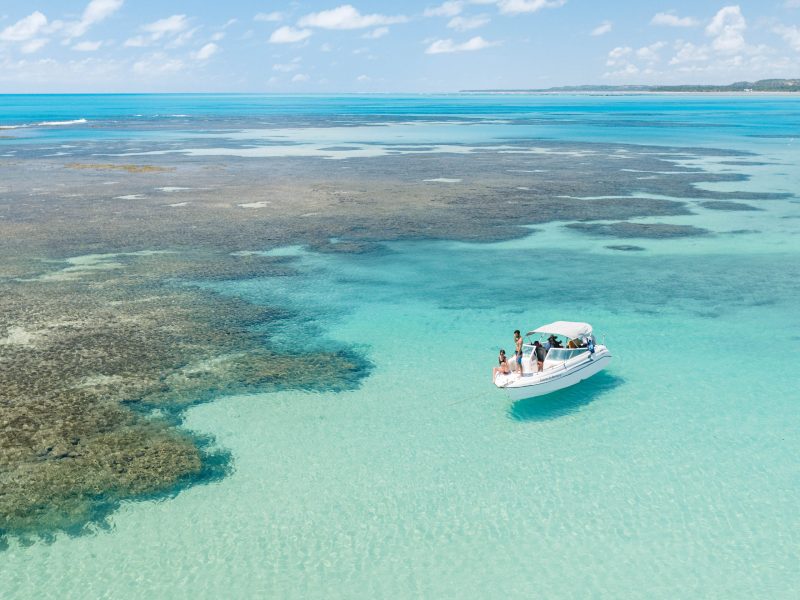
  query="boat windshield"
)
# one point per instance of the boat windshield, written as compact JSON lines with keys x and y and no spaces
{"x":562,"y":354}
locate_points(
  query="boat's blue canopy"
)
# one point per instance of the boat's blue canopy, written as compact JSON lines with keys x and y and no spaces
{"x":568,"y":329}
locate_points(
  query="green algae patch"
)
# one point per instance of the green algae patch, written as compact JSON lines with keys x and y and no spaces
{"x":117,"y":167}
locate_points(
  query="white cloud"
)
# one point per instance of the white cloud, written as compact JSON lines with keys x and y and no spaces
{"x":670,"y":19}
{"x":447,"y":9}
{"x":182,"y":38}
{"x":25,"y":28}
{"x":466,"y":23}
{"x":288,"y":35}
{"x":791,"y":34}
{"x":271,"y":17}
{"x":300,"y":78}
{"x":33,"y":45}
{"x":727,"y":28}
{"x":87,"y":46}
{"x":347,"y":17}
{"x":175,"y":27}
{"x":616,"y":55}
{"x":326,"y":47}
{"x":363,"y":78}
{"x":206,"y":51}
{"x":513,"y":7}
{"x":650,"y":53}
{"x":792,"y":4}
{"x":448,"y":46}
{"x":603,"y":28}
{"x":167,"y":26}
{"x":219,"y":35}
{"x":95,"y":12}
{"x":629,"y":70}
{"x":99,"y":10}
{"x":689,"y":53}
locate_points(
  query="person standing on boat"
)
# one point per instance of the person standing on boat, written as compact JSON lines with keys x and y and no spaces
{"x":539,"y":352}
{"x":518,"y":351}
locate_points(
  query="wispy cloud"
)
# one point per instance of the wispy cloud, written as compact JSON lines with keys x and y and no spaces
{"x":376,"y":33}
{"x":670,"y":19}
{"x":348,"y":17}
{"x":513,"y":7}
{"x":293,"y":65}
{"x":447,"y":9}
{"x":33,"y":45}
{"x":173,"y":26}
{"x":461,"y":23}
{"x":603,"y":28}
{"x":87,"y":46}
{"x":270,"y":17}
{"x":448,"y":46}
{"x":95,"y":12}
{"x":168,"y":26}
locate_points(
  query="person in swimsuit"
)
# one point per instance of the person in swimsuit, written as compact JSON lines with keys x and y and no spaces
{"x":539,"y":352}
{"x":518,"y":351}
{"x":503,"y":368}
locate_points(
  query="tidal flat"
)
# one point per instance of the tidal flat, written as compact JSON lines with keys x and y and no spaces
{"x":108,"y":329}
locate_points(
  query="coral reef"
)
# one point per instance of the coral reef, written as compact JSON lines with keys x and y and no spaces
{"x":109,"y":327}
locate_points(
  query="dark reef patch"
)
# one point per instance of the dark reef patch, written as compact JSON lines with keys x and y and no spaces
{"x":726,"y":205}
{"x":625,"y":247}
{"x":624,"y":229}
{"x":744,"y":163}
{"x":87,"y":355}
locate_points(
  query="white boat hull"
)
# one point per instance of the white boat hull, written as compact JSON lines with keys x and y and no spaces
{"x":553,"y":379}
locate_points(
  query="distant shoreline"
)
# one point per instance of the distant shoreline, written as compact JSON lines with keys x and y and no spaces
{"x":762,"y":86}
{"x":624,"y":93}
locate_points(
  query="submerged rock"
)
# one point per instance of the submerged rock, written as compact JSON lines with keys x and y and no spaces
{"x":625,"y":229}
{"x":726,"y":205}
{"x":625,"y":247}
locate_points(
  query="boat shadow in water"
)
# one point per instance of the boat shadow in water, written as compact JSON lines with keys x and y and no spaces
{"x":566,"y":401}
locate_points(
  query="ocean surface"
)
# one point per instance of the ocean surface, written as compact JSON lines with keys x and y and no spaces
{"x":673,"y":474}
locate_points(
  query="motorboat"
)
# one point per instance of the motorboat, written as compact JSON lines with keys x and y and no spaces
{"x":566,"y":362}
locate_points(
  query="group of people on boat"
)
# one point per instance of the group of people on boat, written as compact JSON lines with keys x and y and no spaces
{"x":538,"y":354}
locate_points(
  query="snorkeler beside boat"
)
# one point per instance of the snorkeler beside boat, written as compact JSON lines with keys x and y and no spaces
{"x":545,"y":365}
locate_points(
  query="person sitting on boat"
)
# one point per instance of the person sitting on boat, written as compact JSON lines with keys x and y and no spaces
{"x":539,"y":353}
{"x":503,"y":368}
{"x":554,"y":343}
{"x":518,"y":351}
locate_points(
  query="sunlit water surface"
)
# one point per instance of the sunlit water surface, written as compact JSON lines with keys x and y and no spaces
{"x":672,"y":474}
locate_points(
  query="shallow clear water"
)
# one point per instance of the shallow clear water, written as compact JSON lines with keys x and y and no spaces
{"x":672,"y":474}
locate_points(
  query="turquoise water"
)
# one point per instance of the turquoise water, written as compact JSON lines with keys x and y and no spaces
{"x":672,"y":474}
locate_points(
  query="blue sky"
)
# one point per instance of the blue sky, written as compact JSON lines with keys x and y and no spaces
{"x":380,"y":46}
